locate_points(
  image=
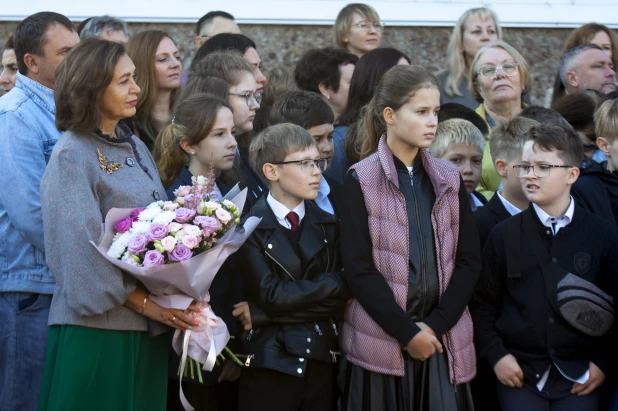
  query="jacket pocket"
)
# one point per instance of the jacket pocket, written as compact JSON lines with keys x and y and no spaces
{"x":39,"y":257}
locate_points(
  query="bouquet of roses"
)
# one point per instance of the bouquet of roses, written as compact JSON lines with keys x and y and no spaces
{"x":175,"y":248}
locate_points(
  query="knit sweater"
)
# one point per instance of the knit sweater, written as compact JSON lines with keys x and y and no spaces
{"x":76,"y":194}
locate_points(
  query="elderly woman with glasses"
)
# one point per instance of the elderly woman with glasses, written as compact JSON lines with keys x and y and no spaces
{"x":358,"y":29}
{"x":498,"y":78}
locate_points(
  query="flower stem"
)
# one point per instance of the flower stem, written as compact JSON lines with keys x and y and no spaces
{"x":234,"y":358}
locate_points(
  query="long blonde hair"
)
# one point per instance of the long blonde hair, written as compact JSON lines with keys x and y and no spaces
{"x":142,"y":49}
{"x":456,"y":59}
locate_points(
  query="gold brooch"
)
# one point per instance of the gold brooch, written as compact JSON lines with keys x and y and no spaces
{"x":108,"y":167}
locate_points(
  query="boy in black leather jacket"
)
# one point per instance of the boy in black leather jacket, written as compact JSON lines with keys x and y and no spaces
{"x":291,"y":277}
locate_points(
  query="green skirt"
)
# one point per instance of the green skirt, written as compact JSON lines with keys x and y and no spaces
{"x":93,"y":369}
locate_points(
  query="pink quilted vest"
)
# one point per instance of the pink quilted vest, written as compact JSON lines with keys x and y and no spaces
{"x":365,"y":342}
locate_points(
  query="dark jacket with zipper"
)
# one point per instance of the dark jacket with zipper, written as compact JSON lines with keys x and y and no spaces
{"x":296,"y":290}
{"x":513,"y":314}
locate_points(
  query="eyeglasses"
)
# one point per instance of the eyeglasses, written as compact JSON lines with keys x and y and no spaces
{"x":539,"y":170}
{"x":365,"y":26}
{"x":509,"y":69}
{"x":249,"y":96}
{"x":308,"y":165}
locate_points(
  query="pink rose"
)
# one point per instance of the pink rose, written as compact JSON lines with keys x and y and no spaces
{"x":138,"y":244}
{"x":168,"y":243}
{"x":223,"y":215}
{"x":182,"y":191}
{"x":135,"y":213}
{"x":157,"y":232}
{"x":183,"y":215}
{"x":180,"y":253}
{"x":153,"y":257}
{"x":190,"y":241}
{"x":170,"y":205}
{"x":124,"y":224}
{"x":173,"y":227}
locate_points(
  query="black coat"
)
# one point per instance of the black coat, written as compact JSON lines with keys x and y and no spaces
{"x":488,"y":216}
{"x":295,"y":289}
{"x":596,"y":190}
{"x":514,"y":315}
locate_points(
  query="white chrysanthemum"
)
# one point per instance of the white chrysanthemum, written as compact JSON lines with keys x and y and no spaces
{"x":140,"y":227}
{"x":116,"y":249}
{"x":150,"y":213}
{"x":164,"y":217}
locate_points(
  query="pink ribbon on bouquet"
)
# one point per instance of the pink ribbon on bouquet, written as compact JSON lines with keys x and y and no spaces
{"x":204,"y":343}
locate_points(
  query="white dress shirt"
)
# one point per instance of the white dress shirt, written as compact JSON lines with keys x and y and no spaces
{"x":508,"y":205}
{"x":282,"y":211}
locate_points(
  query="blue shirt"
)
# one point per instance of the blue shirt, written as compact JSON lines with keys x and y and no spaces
{"x":27,"y":137}
{"x":322,"y":199}
{"x":338,"y":167}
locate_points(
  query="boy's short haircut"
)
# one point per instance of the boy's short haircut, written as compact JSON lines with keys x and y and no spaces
{"x":303,"y":108}
{"x":456,"y":131}
{"x":606,"y":120}
{"x":508,"y":138}
{"x":274,"y":143}
{"x":456,"y":110}
{"x":544,"y":116}
{"x":564,"y":141}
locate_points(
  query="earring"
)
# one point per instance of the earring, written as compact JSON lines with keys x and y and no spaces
{"x":327,"y":97}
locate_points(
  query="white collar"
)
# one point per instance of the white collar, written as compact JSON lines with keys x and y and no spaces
{"x":512,"y":210}
{"x":549,"y":221}
{"x":475,"y":202}
{"x":281,"y":211}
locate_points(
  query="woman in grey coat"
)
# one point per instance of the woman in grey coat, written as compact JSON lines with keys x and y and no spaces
{"x":99,"y":354}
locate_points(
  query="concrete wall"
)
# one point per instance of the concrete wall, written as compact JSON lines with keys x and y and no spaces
{"x":425,"y":45}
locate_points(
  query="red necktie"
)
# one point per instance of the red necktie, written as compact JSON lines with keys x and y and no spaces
{"x":293,"y":218}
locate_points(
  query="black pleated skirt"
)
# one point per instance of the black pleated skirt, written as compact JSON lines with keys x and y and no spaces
{"x":424,"y":387}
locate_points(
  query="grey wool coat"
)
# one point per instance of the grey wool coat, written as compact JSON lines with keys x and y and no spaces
{"x":76,"y":194}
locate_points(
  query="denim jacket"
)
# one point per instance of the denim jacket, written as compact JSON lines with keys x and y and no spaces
{"x":27,"y":137}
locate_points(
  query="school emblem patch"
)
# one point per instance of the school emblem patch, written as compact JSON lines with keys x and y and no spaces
{"x":582,"y":263}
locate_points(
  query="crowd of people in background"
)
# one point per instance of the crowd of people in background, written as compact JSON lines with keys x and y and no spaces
{"x":429,"y":241}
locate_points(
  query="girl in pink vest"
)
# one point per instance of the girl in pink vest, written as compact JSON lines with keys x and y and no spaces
{"x":411,"y":258}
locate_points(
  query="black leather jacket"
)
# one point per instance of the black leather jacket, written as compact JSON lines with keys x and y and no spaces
{"x":295,"y":296}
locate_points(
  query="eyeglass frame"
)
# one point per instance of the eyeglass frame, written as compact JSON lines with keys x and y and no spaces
{"x":501,"y":67}
{"x":533,"y":167}
{"x":257,"y":97}
{"x":299,"y":162}
{"x":378,"y":25}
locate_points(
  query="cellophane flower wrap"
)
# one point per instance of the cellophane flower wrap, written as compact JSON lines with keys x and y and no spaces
{"x":175,"y":248}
